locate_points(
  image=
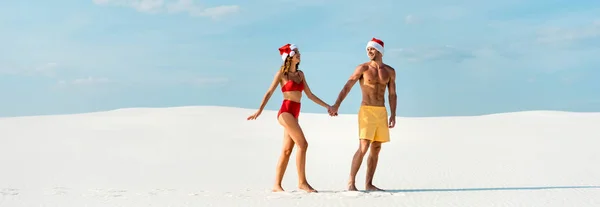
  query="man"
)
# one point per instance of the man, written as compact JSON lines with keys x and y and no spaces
{"x":373,"y":123}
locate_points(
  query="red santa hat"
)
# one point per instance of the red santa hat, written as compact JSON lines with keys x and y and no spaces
{"x":377,"y":44}
{"x":287,"y":50}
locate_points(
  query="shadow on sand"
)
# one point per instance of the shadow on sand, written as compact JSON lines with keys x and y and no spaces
{"x":474,"y":189}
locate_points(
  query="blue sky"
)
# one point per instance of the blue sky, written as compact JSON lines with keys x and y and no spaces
{"x":452,"y":58}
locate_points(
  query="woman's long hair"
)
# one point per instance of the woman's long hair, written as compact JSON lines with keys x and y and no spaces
{"x":285,"y":67}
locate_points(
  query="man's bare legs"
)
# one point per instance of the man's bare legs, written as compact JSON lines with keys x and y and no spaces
{"x":297,"y":136}
{"x":288,"y":146}
{"x":356,"y":162}
{"x":372,"y":165}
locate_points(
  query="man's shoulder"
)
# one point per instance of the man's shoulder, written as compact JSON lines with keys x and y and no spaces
{"x":363,"y":65}
{"x":389,"y":67}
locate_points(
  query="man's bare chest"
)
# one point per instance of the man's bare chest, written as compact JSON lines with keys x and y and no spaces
{"x":376,"y":76}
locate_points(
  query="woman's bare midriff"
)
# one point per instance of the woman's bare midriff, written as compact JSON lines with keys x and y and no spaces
{"x":295,"y":96}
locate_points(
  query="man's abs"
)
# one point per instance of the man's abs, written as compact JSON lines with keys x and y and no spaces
{"x":373,"y":95}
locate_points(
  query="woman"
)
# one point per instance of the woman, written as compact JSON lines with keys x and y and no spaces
{"x":292,"y":82}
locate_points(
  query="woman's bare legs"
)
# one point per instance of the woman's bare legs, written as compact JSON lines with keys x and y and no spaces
{"x":288,"y":146}
{"x":295,"y":132}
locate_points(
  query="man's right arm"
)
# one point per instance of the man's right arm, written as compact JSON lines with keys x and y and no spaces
{"x":349,"y":84}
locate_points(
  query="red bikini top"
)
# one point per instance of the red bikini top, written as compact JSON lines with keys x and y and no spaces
{"x":292,"y":86}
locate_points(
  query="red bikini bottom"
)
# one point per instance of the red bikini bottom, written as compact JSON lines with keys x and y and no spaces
{"x":291,"y":107}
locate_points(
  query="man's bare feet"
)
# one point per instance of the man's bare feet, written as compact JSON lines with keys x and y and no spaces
{"x":306,"y":187}
{"x":277,"y":188}
{"x":352,"y":187}
{"x":372,"y":188}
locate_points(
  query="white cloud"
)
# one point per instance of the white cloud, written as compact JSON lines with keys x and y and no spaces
{"x":569,"y":34}
{"x":181,"y":6}
{"x":433,"y":53}
{"x":139,"y":5}
{"x":173,"y":6}
{"x":195,"y":10}
{"x":84,"y":81}
{"x":102,"y":1}
{"x":410,"y":19}
{"x":219,"y":11}
{"x":148,"y":5}
{"x":46,"y":69}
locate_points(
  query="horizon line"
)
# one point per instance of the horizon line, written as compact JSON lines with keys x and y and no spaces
{"x":274,"y":111}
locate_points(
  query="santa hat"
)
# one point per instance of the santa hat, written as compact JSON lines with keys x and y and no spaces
{"x":377,"y":44}
{"x":287,"y":50}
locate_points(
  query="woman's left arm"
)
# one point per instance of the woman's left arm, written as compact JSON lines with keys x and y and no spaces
{"x":310,"y":94}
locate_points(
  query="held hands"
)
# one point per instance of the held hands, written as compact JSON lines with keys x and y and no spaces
{"x":254,"y":116}
{"x":332,"y":110}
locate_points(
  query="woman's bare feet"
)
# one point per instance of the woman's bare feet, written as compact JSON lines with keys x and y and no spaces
{"x":352,"y":187}
{"x":306,"y":187}
{"x":277,"y":188}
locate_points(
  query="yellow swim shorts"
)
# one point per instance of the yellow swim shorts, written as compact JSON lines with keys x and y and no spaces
{"x":373,"y":123}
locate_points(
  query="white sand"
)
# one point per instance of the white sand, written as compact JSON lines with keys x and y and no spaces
{"x":212,"y":156}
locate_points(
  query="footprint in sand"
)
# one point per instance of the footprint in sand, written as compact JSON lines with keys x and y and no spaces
{"x":116,"y":193}
{"x":112,"y":193}
{"x":279,"y":195}
{"x":9,"y":192}
{"x":59,"y":191}
{"x":378,"y":194}
{"x":351,"y":193}
{"x":200,"y":193}
{"x":157,"y":192}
